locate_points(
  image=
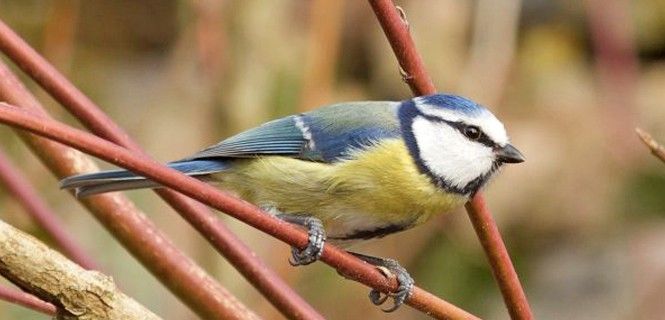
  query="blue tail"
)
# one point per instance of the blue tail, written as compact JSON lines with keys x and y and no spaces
{"x":116,"y":180}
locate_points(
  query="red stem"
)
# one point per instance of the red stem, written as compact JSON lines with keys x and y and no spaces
{"x":283,"y":297}
{"x":243,"y":258}
{"x":27,"y":300}
{"x":502,"y":266}
{"x":399,"y":37}
{"x":344,"y":262}
{"x":397,"y":32}
{"x":181,"y":275}
{"x":419,"y":299}
{"x":25,"y":194}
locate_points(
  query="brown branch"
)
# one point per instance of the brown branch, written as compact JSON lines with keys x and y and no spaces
{"x":396,"y":29}
{"x":38,"y":210}
{"x":397,"y":32}
{"x":656,"y":148}
{"x":26,"y":300}
{"x":502,"y":266}
{"x":344,"y":262}
{"x":78,"y":293}
{"x":283,"y":297}
{"x":127,"y":224}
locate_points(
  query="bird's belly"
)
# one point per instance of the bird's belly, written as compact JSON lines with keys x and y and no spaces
{"x":348,"y":228}
{"x":356,"y":199}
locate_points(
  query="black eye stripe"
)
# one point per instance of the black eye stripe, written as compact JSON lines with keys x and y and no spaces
{"x":460,"y":126}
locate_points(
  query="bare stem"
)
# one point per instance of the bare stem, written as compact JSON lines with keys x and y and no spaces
{"x":345,"y":263}
{"x":397,"y":32}
{"x":39,"y":211}
{"x":27,"y":300}
{"x":396,"y":28}
{"x":127,"y":224}
{"x":78,"y":293}
{"x":283,"y":297}
{"x":656,"y":148}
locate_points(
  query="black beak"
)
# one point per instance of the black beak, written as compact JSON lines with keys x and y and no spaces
{"x":509,"y":154}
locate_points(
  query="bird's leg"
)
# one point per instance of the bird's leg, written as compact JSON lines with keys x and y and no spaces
{"x":317,"y":238}
{"x":389,"y":267}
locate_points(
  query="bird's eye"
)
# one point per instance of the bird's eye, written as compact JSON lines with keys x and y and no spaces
{"x":472,"y":132}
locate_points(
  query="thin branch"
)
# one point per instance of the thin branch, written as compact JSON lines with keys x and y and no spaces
{"x":656,"y":148}
{"x":27,"y":196}
{"x":78,"y":293}
{"x":502,"y":267}
{"x":127,"y":224}
{"x":397,"y":32}
{"x":26,"y":300}
{"x":283,"y":297}
{"x":396,"y":28}
{"x":345,"y":263}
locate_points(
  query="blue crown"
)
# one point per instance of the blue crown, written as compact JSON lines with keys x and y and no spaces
{"x":453,"y":102}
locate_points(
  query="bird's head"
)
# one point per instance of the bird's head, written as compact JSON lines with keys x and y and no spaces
{"x":455,"y":141}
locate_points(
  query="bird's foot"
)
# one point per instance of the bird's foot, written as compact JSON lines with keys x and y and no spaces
{"x":317,"y":238}
{"x":391,"y":269}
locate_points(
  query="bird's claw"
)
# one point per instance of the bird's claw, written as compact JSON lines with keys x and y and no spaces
{"x":404,"y":288}
{"x":390,"y":269}
{"x":377,"y":298}
{"x":317,"y":238}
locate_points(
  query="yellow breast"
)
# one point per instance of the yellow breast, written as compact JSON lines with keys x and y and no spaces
{"x":375,"y":188}
{"x":386,"y":181}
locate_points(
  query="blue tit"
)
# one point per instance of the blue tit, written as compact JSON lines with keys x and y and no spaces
{"x":350,"y":171}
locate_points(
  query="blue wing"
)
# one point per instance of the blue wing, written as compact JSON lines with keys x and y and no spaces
{"x":325,"y":135}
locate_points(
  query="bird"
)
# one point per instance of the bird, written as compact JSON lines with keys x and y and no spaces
{"x":349,"y":172}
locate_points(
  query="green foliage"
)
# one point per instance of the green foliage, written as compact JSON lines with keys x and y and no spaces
{"x":644,"y":194}
{"x":454,"y":273}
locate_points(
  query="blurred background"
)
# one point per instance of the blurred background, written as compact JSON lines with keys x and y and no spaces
{"x":583,"y":217}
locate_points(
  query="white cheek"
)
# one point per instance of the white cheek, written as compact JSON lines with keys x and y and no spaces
{"x":450,"y":155}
